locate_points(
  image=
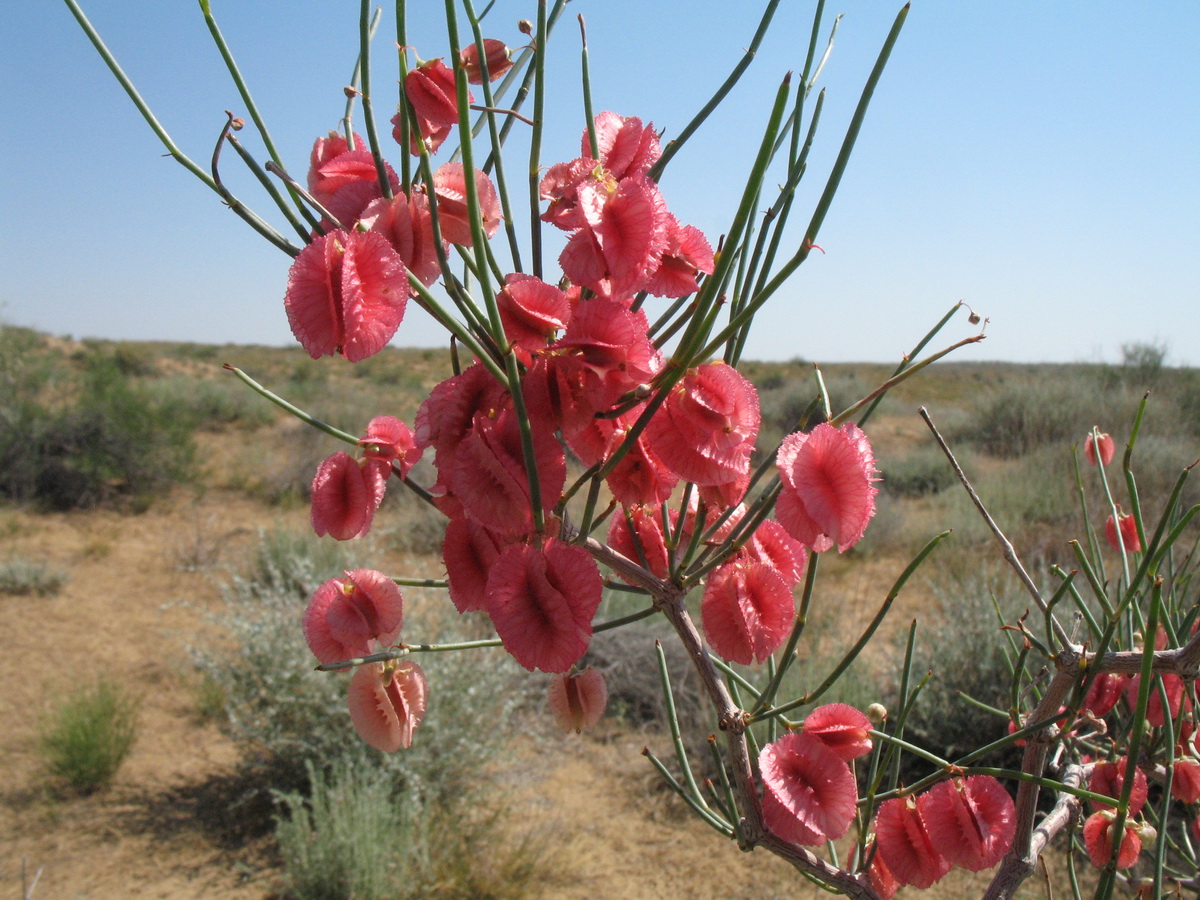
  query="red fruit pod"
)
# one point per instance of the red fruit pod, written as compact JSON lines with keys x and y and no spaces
{"x":1129,"y":533}
{"x":389,"y":440}
{"x":809,"y":794}
{"x":1185,"y":780}
{"x":578,"y":699}
{"x":346,"y":614}
{"x":387,"y":702}
{"x":905,"y":845}
{"x":705,"y":431}
{"x":495,"y":55}
{"x":627,"y":147}
{"x":431,"y":93}
{"x":1106,"y":445}
{"x":970,"y":820}
{"x":1098,"y":839}
{"x":842,"y":728}
{"x":345,"y":495}
{"x":469,"y":551}
{"x":542,"y":600}
{"x":881,"y":877}
{"x":637,"y":534}
{"x":1109,"y":778}
{"x":828,"y":493}
{"x":532,"y":311}
{"x":450,"y":192}
{"x":346,"y":295}
{"x":1105,"y":691}
{"x":747,"y":611}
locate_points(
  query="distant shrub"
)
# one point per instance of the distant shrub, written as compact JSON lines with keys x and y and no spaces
{"x":108,"y":442}
{"x":213,"y":404}
{"x":1024,"y":414}
{"x":89,"y":737}
{"x":24,"y":577}
{"x":925,"y":471}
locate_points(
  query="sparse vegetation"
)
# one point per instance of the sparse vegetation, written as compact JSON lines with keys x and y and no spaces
{"x":23,"y":577}
{"x":89,"y":736}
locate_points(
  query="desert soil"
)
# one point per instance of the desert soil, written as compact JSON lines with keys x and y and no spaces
{"x":171,"y":825}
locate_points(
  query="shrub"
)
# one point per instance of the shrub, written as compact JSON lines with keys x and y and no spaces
{"x":89,"y":737}
{"x":107,"y":443}
{"x":925,"y":471}
{"x":350,"y":837}
{"x":23,"y":577}
{"x":287,"y":714}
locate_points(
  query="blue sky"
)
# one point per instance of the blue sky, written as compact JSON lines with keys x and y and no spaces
{"x":1039,"y":160}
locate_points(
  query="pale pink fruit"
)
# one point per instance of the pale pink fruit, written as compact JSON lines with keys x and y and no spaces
{"x":469,"y":551}
{"x":644,"y":542}
{"x":1109,"y":778}
{"x":970,"y":820}
{"x":389,"y":440}
{"x":685,"y":256}
{"x":842,"y":728}
{"x":431,"y":92}
{"x":1129,"y":533}
{"x":450,"y":191}
{"x":345,"y":615}
{"x":905,"y":845}
{"x":1106,"y":444}
{"x":1098,"y":838}
{"x":408,"y":227}
{"x":578,"y":699}
{"x":828,"y":492}
{"x":1185,"y":782}
{"x":809,"y":794}
{"x":747,"y":611}
{"x":345,"y":495}
{"x":346,"y":295}
{"x":387,"y":703}
{"x":542,"y":600}
{"x":1104,"y":693}
{"x":705,"y":431}
{"x":495,"y":54}
{"x":626,"y":146}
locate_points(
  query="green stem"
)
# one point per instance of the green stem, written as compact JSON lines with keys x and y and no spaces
{"x":366,"y":31}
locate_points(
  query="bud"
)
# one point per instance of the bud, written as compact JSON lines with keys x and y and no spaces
{"x":877,"y":713}
{"x":973,"y":318}
{"x":525,"y":27}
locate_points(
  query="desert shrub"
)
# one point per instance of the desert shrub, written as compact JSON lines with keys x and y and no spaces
{"x":286,"y":714}
{"x":1020,"y":416}
{"x":924,"y":471}
{"x":25,"y":577}
{"x":351,"y":836}
{"x":957,"y":646}
{"x":213,"y":404}
{"x":109,"y":442}
{"x":89,"y":736}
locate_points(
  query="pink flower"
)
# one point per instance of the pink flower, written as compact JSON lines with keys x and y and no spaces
{"x":809,"y":794}
{"x":387,"y":703}
{"x":495,"y":54}
{"x":450,"y":189}
{"x":1107,"y":447}
{"x":828,"y":494}
{"x":1097,"y":837}
{"x":705,"y":430}
{"x":1129,"y":532}
{"x":389,"y":440}
{"x":578,"y":699}
{"x":905,"y":845}
{"x":431,"y":93}
{"x":345,"y":615}
{"x":971,"y":820}
{"x":542,"y":600}
{"x":345,"y":495}
{"x":747,"y":611}
{"x":842,"y":728}
{"x":346,"y":295}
